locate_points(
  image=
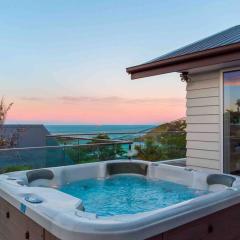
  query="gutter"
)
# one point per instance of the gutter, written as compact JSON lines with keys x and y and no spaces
{"x":213,"y":52}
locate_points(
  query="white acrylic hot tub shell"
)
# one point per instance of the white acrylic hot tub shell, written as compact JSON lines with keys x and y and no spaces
{"x":58,"y":211}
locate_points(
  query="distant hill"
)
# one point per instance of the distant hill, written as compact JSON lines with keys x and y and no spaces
{"x":166,"y":141}
{"x":176,"y":127}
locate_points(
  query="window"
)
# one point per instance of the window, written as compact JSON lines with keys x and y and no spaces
{"x":231,"y":122}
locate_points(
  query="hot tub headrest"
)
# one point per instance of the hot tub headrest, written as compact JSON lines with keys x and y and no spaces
{"x":39,"y":174}
{"x":220,"y":179}
{"x":127,"y":167}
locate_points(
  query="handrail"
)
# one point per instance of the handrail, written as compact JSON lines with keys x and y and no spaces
{"x":95,"y":139}
{"x":111,"y":133}
{"x":69,"y":145}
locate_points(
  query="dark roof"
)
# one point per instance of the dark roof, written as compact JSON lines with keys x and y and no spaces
{"x":25,"y":135}
{"x":219,"y":48}
{"x":226,"y":37}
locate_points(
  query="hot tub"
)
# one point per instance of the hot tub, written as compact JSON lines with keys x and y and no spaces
{"x":145,"y":199}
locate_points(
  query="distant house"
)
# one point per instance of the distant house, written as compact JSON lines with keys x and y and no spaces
{"x":25,"y":135}
{"x":211,"y":69}
{"x":30,"y":148}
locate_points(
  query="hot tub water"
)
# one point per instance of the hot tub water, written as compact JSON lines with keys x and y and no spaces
{"x":128,"y":194}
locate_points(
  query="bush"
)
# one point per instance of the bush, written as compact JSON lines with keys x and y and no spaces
{"x":14,"y":169}
{"x":150,"y":151}
{"x":167,"y":141}
{"x":93,"y":153}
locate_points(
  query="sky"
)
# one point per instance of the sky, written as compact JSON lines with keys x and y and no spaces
{"x":231,"y":91}
{"x":64,"y":62}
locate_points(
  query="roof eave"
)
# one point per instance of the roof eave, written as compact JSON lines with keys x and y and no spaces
{"x":185,"y":62}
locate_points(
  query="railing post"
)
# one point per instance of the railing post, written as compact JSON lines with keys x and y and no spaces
{"x":64,"y":153}
{"x":129,"y":150}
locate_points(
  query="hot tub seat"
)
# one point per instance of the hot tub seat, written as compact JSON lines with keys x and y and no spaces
{"x":39,"y":174}
{"x":127,"y":167}
{"x":220,"y":179}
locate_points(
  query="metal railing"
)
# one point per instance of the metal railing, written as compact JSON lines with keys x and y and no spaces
{"x":14,"y":159}
{"x":78,"y":148}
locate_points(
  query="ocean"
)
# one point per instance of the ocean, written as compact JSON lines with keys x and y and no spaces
{"x":68,"y":129}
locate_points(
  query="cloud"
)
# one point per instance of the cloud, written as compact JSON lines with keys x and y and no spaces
{"x":90,"y":99}
{"x":119,"y":100}
{"x":108,"y":100}
{"x":32,"y":98}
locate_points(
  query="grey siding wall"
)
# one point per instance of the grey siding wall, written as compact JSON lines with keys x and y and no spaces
{"x":203,"y":121}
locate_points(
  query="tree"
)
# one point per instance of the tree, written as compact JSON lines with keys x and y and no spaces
{"x":4,"y":140}
{"x":167,"y":141}
{"x":4,"y":108}
{"x":92,"y":151}
{"x":150,"y":151}
{"x":107,"y":152}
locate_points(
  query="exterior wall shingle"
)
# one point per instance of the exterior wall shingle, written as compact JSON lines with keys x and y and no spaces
{"x":203,"y":121}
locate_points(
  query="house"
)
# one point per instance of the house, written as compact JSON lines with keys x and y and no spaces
{"x":25,"y":135}
{"x":28,"y":146}
{"x":211,"y":69}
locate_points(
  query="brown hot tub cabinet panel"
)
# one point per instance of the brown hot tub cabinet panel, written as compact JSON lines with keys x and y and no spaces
{"x":159,"y":237}
{"x":224,"y":225}
{"x":16,"y":226}
{"x":49,"y":236}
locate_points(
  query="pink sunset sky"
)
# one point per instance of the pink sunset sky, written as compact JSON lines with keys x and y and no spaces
{"x":63,"y":62}
{"x":133,"y":106}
